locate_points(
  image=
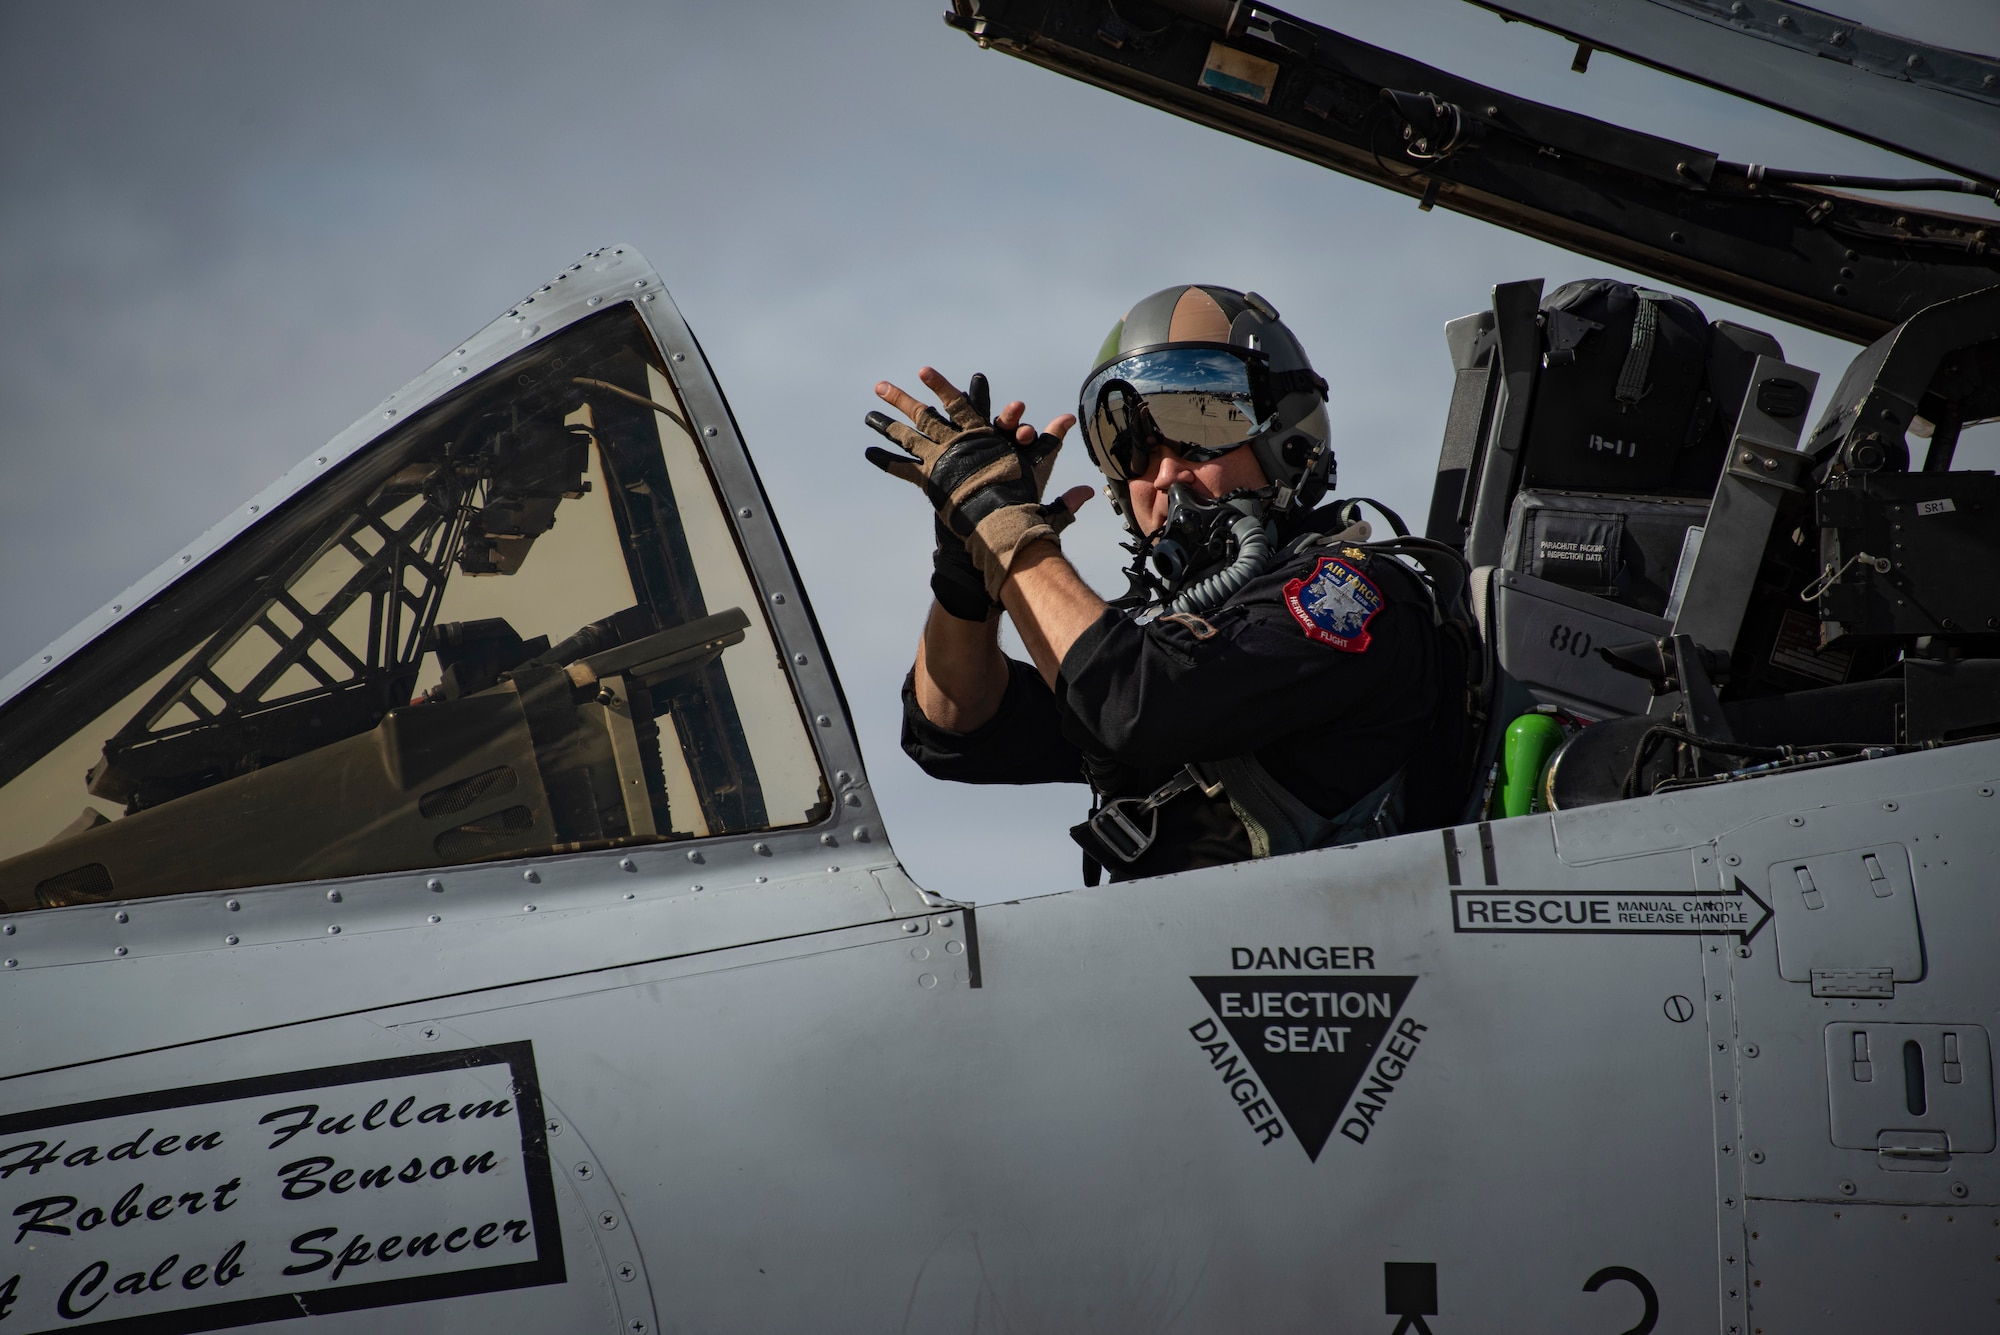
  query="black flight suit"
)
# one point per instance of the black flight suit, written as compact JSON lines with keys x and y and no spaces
{"x":1331,"y":719}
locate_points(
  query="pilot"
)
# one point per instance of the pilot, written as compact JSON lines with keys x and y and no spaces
{"x":1263,"y":687}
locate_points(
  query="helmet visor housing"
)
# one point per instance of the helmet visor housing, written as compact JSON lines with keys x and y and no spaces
{"x":1200,"y":400}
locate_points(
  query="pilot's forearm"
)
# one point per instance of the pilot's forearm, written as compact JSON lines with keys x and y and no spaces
{"x":1050,"y":604}
{"x":961,"y":674}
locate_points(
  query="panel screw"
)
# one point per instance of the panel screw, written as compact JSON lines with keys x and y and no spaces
{"x":121,"y":916}
{"x":607,"y":1220}
{"x":435,"y":918}
{"x":1846,"y":1187}
{"x":1733,"y":860}
{"x":638,"y":1326}
{"x":1960,"y":1190}
{"x":626,"y":1272}
{"x":233,"y":906}
{"x":1751,"y":1049}
{"x":583,"y":1172}
{"x":333,"y":930}
{"x":1756,"y":1156}
{"x":119,"y":951}
{"x":229,"y":940}
{"x":555,"y":1127}
{"x":428,"y":1032}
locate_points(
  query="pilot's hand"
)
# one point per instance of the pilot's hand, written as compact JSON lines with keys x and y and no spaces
{"x":984,"y":476}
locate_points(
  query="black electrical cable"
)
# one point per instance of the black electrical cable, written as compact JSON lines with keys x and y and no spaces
{"x":1758,"y":175}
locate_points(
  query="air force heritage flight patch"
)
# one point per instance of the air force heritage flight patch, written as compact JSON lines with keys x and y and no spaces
{"x":1334,"y":604}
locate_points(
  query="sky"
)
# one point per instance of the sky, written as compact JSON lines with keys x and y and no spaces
{"x":229,"y":229}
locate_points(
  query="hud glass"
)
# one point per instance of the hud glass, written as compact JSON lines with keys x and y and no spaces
{"x":518,"y":625}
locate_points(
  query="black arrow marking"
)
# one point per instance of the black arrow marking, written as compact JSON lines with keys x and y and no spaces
{"x":1604,"y":912}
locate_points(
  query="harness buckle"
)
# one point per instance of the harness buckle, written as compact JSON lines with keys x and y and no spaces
{"x":1119,"y":834}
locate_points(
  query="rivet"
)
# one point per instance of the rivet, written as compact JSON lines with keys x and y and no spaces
{"x":744,"y":513}
{"x":334,"y":930}
{"x":629,"y":895}
{"x":229,"y":940}
{"x":680,"y":356}
{"x":823,"y":720}
{"x":391,"y":412}
{"x":1888,"y":806}
{"x":1756,"y":1156}
{"x":861,"y":834}
{"x":800,"y":659}
{"x":1846,"y":1187}
{"x":912,"y":927}
{"x":459,"y":371}
{"x":436,"y":919}
{"x":954,"y":947}
{"x":233,"y":906}
{"x":531,"y":876}
{"x":1733,"y":860}
{"x":333,"y":896}
{"x":828,"y":840}
{"x":762,"y":879}
{"x":593,"y":301}
{"x":1796,"y":821}
{"x":708,"y":431}
{"x":841,"y":776}
{"x":8,"y":929}
{"x":778,"y":598}
{"x":696,"y":887}
{"x":626,"y":864}
{"x":945,"y":921}
{"x":527,"y":908}
{"x":1986,"y":790}
{"x":459,"y":353}
{"x":927,"y":980}
{"x":1751,"y":1049}
{"x":119,"y":951}
{"x":184,"y":560}
{"x":1959,"y":1189}
{"x":694,"y":855}
{"x":121,"y":916}
{"x":13,"y":964}
{"x":854,"y":799}
{"x":322,"y":458}
{"x":649,"y":297}
{"x":762,"y":850}
{"x":48,"y":658}
{"x":832,"y":870}
{"x":640,"y":283}
{"x":119,"y":607}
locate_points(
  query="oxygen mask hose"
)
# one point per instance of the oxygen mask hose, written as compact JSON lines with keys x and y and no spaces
{"x":1231,"y":533}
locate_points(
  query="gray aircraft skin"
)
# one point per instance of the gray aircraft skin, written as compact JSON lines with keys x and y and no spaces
{"x":403,"y":973}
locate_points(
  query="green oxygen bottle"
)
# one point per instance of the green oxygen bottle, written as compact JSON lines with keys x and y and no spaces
{"x":1531,"y":740}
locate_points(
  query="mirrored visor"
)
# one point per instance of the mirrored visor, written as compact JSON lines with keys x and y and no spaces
{"x":1202,"y":401}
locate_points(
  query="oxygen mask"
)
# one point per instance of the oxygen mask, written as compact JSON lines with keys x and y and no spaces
{"x":1206,"y":549}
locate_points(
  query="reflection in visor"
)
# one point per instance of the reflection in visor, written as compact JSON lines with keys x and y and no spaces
{"x":1201,"y":400}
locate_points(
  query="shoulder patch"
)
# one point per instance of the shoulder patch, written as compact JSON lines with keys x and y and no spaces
{"x":1334,"y":604}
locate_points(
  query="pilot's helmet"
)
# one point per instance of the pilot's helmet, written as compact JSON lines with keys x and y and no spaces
{"x":1206,"y":370}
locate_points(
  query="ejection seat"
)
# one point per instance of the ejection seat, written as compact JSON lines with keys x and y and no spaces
{"x":1583,"y":449}
{"x":1747,"y":601}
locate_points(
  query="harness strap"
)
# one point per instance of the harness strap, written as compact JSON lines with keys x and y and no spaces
{"x":1275,"y":819}
{"x":1639,"y":361}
